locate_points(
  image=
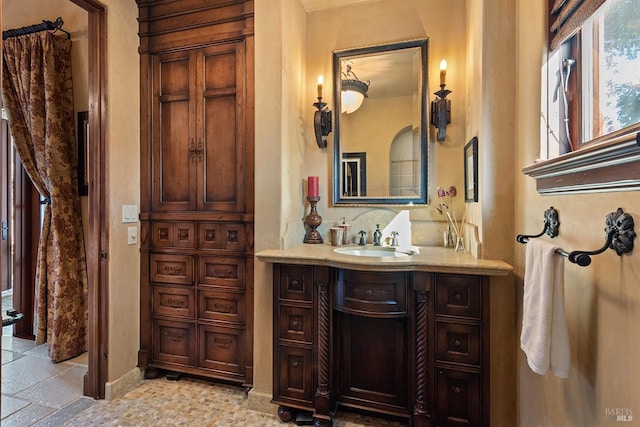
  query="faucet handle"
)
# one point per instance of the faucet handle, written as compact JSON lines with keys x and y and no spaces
{"x":394,"y":240}
{"x":362,"y":233}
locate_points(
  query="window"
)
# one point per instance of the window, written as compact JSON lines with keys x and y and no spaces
{"x":592,"y":100}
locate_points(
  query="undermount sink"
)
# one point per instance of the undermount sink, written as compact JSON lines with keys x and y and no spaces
{"x":375,"y":251}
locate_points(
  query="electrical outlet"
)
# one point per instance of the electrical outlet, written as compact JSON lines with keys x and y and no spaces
{"x":132,"y":235}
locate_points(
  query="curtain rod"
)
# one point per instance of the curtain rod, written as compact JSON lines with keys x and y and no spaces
{"x":44,"y":26}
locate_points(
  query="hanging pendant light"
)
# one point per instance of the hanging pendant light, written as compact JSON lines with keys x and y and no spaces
{"x":354,"y":91}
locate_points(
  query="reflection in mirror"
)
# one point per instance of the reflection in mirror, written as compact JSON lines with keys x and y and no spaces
{"x":380,"y":148}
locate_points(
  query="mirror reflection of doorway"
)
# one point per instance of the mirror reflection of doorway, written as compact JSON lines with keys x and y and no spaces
{"x":354,"y":174}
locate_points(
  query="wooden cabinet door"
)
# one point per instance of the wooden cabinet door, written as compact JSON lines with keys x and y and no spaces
{"x":198,"y":121}
{"x":173,"y":132}
{"x":220,"y":142}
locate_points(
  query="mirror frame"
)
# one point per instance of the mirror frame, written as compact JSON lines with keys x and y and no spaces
{"x":339,"y":55}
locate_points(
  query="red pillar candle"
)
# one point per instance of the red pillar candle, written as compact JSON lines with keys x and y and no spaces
{"x":313,"y":186}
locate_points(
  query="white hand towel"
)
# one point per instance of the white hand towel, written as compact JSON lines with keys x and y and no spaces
{"x":544,"y":337}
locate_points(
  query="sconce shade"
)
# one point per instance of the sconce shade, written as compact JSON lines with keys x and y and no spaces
{"x":354,"y":91}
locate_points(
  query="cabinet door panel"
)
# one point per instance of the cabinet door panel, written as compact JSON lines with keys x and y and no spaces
{"x":293,"y":378}
{"x":176,"y":269}
{"x":222,"y":182}
{"x":174,"y":342}
{"x":221,"y":271}
{"x":221,"y":349}
{"x":173,"y":117}
{"x":373,"y":352}
{"x":222,"y":306}
{"x":459,"y":398}
{"x":170,"y":234}
{"x":174,"y":301}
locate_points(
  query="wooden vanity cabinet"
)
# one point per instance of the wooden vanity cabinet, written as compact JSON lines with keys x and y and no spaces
{"x":411,"y":345}
{"x":197,"y":191}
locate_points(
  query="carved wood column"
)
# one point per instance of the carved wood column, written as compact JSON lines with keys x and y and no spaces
{"x":421,"y":413}
{"x":322,"y":401}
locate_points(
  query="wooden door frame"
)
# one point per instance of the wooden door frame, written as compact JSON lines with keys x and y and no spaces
{"x":98,"y":234}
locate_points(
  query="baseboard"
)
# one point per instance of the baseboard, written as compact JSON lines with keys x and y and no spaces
{"x":261,"y":402}
{"x":122,"y":385}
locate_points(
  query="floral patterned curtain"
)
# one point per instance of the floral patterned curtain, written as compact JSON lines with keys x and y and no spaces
{"x":37,"y":92}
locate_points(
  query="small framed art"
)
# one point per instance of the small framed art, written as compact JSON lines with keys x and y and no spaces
{"x":471,"y":170}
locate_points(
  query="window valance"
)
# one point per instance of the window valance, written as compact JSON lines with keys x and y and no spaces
{"x":566,"y":16}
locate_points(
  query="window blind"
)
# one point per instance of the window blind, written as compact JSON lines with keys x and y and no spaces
{"x":566,"y":16}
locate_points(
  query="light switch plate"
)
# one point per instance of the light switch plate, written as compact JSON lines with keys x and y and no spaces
{"x":132,"y":235}
{"x":129,"y":213}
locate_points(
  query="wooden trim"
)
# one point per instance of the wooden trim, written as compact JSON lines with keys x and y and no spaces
{"x":98,"y":238}
{"x":611,"y":165}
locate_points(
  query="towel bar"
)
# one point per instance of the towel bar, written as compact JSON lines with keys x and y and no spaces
{"x":619,"y":236}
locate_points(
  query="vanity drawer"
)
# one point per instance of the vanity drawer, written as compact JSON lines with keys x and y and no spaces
{"x":223,"y":306}
{"x":369,"y":293}
{"x":458,"y":295}
{"x":295,"y":323}
{"x":174,"y":301}
{"x":459,"y":343}
{"x":294,"y":282}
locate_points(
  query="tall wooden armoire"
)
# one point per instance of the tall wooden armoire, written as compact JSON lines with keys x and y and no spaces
{"x":197,"y":188}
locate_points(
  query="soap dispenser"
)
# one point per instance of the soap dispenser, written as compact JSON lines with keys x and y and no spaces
{"x":377,"y":236}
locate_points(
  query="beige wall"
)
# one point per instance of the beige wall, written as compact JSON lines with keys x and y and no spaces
{"x":602,"y":300}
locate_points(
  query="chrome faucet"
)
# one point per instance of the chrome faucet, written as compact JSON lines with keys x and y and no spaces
{"x":394,"y":238}
{"x":377,"y":235}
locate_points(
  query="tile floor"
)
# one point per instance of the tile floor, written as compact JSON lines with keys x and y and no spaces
{"x":37,"y":392}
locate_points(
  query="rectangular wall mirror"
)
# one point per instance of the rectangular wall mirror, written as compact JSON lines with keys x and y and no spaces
{"x":380,"y":153}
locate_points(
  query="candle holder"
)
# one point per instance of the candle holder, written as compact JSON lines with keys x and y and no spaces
{"x":313,"y":220}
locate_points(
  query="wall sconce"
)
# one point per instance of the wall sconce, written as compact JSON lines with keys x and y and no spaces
{"x":321,"y":118}
{"x":441,"y":106}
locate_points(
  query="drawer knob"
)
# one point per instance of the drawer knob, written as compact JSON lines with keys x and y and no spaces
{"x":457,"y":296}
{"x":294,"y":282}
{"x":456,"y":389}
{"x":456,"y":342}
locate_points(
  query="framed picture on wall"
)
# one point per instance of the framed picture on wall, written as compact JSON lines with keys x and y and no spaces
{"x":471,"y":170}
{"x":83,"y":145}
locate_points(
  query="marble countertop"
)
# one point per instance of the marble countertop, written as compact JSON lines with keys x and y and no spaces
{"x":431,"y":258}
